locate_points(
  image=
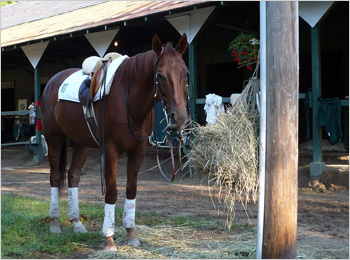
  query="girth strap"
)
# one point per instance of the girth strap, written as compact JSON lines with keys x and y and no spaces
{"x":93,"y":126}
{"x":91,"y":121}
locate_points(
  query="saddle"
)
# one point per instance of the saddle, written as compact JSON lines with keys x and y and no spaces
{"x":92,"y":66}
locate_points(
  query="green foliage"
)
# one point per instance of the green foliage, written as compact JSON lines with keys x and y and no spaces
{"x":245,"y":50}
{"x":4,"y":3}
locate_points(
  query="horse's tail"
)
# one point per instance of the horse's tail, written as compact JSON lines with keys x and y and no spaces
{"x":63,"y":166}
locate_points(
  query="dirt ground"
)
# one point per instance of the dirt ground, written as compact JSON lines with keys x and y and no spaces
{"x":323,"y":204}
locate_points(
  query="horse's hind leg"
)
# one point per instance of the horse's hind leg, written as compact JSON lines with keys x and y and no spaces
{"x":78,"y":160}
{"x":135,"y":159}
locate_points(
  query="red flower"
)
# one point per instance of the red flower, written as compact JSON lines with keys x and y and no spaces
{"x":235,"y":54}
{"x":250,"y":68}
{"x":239,"y":60}
{"x":244,"y":52}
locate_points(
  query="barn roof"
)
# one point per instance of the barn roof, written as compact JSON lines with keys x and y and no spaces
{"x":34,"y":20}
{"x":28,"y":11}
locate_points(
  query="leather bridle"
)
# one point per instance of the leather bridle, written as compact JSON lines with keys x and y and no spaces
{"x":168,"y":128}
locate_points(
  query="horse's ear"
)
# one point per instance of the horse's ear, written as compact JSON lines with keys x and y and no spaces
{"x":157,"y":45}
{"x":182,"y":44}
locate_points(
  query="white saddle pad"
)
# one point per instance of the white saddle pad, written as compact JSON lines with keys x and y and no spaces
{"x":69,"y":90}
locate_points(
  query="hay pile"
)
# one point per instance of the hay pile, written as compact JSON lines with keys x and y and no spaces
{"x":228,"y":152}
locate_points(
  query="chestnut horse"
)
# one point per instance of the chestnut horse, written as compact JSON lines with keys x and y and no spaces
{"x":134,"y":80}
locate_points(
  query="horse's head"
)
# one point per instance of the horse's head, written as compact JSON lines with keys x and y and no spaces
{"x":171,"y":79}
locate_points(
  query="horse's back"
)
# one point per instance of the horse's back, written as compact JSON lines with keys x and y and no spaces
{"x":50,"y":94}
{"x":55,"y":82}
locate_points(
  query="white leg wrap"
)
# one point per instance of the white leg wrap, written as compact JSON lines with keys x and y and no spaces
{"x":54,"y":208}
{"x":129,"y":213}
{"x":109,"y":221}
{"x":73,"y":210}
{"x":73,"y":204}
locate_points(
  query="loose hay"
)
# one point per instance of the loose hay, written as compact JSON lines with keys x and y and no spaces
{"x":228,"y":152}
{"x":169,"y":242}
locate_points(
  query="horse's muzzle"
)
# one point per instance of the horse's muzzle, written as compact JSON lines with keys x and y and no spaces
{"x":178,"y":119}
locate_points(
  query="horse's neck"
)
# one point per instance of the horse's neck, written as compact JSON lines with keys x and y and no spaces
{"x":141,"y":80}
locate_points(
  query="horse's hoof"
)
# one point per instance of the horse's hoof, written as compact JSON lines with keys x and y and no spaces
{"x":55,"y":226}
{"x":79,"y":228}
{"x":55,"y":229}
{"x":109,"y":244}
{"x":134,"y":242}
{"x":110,"y":248}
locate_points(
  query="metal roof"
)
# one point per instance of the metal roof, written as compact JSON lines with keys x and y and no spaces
{"x":69,"y":20}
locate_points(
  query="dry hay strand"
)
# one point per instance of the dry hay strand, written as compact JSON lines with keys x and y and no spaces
{"x":228,"y":152}
{"x":305,"y":251}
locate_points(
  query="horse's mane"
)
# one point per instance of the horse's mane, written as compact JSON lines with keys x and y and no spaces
{"x":141,"y":62}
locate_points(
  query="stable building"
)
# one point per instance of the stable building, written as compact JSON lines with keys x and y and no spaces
{"x":39,"y":39}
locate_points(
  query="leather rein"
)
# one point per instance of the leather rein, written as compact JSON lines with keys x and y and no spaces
{"x":169,"y":130}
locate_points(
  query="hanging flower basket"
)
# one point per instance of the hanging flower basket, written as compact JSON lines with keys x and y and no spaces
{"x":245,"y":51}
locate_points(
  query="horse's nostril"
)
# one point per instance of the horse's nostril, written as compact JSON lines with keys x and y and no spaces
{"x":172,"y":118}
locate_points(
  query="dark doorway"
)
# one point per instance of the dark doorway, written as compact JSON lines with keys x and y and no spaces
{"x":7,"y":122}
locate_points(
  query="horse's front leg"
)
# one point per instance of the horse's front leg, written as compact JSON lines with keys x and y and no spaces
{"x":111,"y":159}
{"x":135,"y":159}
{"x":80,"y":154}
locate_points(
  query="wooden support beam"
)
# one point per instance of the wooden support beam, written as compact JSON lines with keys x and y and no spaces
{"x":282,"y":85}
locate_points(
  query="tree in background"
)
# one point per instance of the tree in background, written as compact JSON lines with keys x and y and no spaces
{"x":4,"y":3}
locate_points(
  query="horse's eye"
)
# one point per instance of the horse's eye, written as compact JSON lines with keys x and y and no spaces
{"x":160,"y":76}
{"x":186,"y":74}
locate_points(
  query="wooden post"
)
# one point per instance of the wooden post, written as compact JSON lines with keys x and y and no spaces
{"x":282,"y":85}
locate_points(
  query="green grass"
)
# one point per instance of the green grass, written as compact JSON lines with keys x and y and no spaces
{"x":25,"y":230}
